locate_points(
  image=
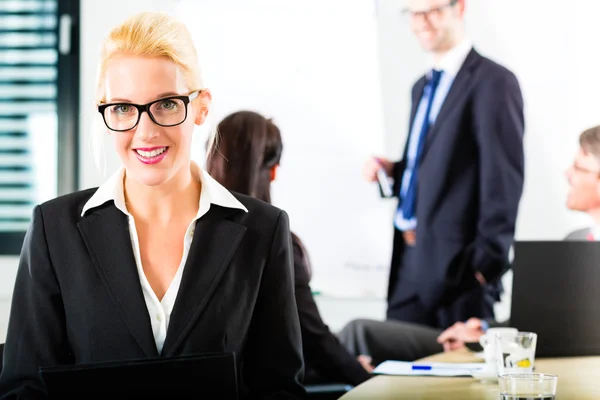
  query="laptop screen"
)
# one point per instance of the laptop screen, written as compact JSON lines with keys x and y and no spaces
{"x":177,"y":377}
{"x":556,"y":293}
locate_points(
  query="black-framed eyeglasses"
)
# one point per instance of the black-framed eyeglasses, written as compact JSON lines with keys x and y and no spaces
{"x":434,"y":12}
{"x":168,"y":111}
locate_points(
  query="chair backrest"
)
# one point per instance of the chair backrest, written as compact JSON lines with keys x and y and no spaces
{"x":1,"y":355}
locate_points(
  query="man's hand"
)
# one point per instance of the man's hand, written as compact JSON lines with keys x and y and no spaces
{"x":480,"y":278}
{"x":460,"y":333}
{"x":365,"y":361}
{"x":375,"y":163}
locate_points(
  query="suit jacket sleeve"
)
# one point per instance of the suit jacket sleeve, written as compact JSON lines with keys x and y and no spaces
{"x":398,"y":171}
{"x":322,"y":349}
{"x":273,"y":365}
{"x":37,"y":329}
{"x":399,"y":166}
{"x":499,"y":127}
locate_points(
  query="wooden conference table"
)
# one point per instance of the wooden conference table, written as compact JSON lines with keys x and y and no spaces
{"x":578,"y":379}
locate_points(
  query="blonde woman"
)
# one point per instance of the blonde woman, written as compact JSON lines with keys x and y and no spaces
{"x":160,"y":260}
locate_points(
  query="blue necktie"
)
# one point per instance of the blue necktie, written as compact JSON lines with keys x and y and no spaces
{"x":409,"y":200}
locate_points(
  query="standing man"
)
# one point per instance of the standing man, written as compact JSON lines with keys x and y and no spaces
{"x":460,"y":178}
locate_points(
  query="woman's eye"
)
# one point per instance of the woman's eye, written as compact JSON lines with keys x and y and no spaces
{"x":168,"y":104}
{"x":122,"y":108}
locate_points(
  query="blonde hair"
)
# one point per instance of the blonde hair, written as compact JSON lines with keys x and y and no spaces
{"x":150,"y":34}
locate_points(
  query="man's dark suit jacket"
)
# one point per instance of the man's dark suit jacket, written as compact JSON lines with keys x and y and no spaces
{"x":470,"y":184}
{"x":326,"y":359}
{"x":78,"y":297}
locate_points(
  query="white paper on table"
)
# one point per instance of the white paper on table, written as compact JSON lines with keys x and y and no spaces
{"x":437,"y":368}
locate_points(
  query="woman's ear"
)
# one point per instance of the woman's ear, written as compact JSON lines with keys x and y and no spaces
{"x":274,"y":172}
{"x":201,"y":106}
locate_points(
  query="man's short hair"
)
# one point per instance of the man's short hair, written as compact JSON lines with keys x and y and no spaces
{"x":589,"y":141}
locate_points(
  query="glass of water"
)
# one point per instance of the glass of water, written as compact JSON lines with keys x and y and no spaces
{"x":527,"y":386}
{"x":515,"y":354}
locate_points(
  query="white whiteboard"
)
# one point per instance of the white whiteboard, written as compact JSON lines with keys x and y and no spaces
{"x":313,"y":67}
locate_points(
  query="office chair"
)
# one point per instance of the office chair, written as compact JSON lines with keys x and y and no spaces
{"x":1,"y":355}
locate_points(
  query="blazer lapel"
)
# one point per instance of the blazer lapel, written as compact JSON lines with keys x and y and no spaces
{"x":105,"y":232}
{"x":214,"y":244}
{"x":461,"y":82}
{"x":416,"y":99}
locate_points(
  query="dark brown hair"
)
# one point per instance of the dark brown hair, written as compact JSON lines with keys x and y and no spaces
{"x":248,"y":147}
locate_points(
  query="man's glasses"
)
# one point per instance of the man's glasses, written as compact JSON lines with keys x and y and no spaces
{"x":168,"y":111}
{"x":430,"y":14}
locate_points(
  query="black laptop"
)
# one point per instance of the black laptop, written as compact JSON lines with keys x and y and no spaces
{"x":199,"y":376}
{"x":556,"y":293}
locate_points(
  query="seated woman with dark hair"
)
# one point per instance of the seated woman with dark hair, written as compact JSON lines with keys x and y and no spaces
{"x":245,"y":160}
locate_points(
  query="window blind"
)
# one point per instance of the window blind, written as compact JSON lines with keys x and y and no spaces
{"x":28,"y":110}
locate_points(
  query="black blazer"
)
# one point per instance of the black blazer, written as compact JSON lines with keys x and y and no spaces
{"x":470,"y":184}
{"x":78,"y":299}
{"x":326,"y":359}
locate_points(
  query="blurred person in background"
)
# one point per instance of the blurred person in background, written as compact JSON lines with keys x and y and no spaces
{"x":584,"y":184}
{"x":245,"y":159}
{"x":459,"y":181}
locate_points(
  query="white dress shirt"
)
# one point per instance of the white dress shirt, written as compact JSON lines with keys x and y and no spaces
{"x":594,"y":232}
{"x":212,"y":193}
{"x":452,"y":61}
